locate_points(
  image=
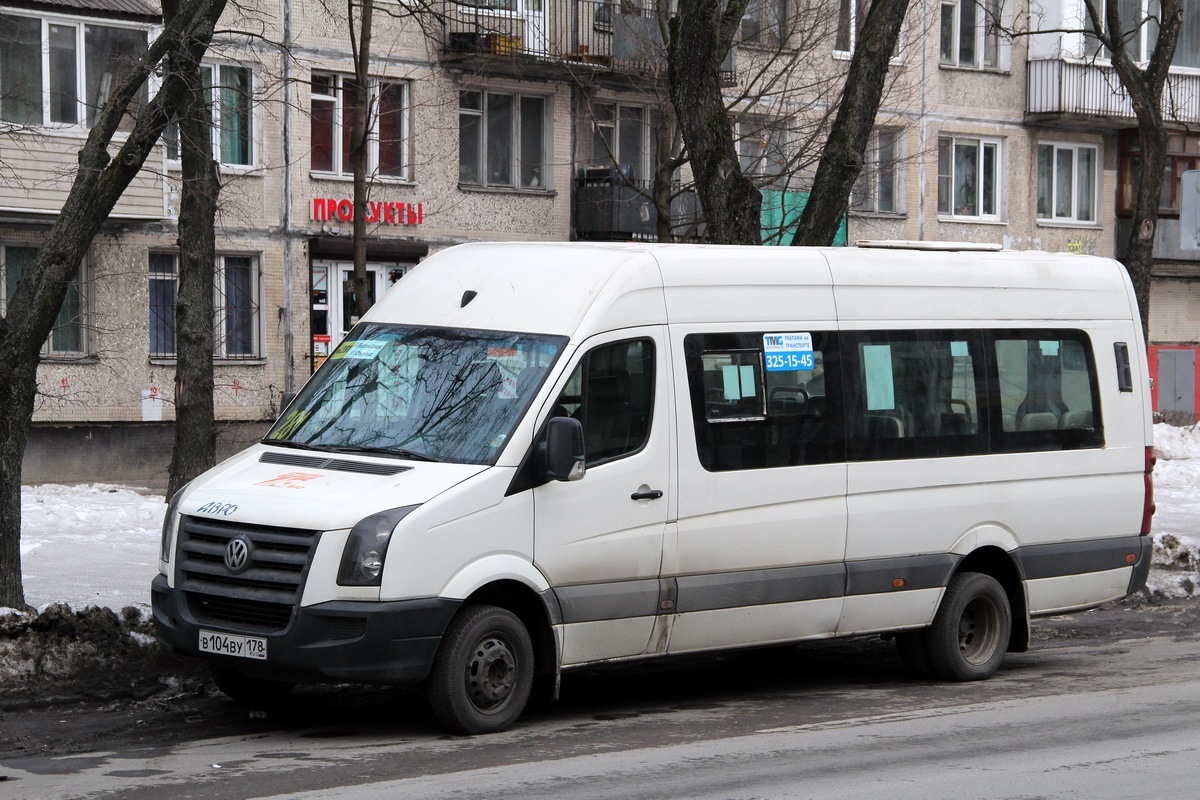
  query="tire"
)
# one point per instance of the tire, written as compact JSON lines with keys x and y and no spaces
{"x":913,"y":647}
{"x":248,"y":690}
{"x":483,"y":672}
{"x":970,"y":632}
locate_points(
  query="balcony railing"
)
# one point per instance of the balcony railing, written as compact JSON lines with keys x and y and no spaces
{"x":1093,"y":92}
{"x":616,"y":35}
{"x":612,"y":207}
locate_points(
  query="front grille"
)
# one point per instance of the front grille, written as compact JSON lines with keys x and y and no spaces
{"x":262,"y":596}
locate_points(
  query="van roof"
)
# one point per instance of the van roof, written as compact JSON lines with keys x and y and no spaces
{"x":579,"y":288}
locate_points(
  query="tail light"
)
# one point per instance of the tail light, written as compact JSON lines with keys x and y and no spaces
{"x":1148,"y":501}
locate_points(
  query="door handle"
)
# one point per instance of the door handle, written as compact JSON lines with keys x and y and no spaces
{"x":652,"y":494}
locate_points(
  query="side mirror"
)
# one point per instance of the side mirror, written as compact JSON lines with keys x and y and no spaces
{"x":562,"y":450}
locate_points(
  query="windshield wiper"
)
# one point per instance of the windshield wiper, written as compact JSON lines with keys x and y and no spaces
{"x":297,"y":445}
{"x":394,"y":452}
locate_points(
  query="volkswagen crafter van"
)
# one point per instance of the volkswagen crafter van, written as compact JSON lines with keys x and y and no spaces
{"x":528,"y":458}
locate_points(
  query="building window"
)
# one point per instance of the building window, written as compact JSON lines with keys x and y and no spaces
{"x":1139,"y":20}
{"x":237,"y":294}
{"x":233,"y":115}
{"x":877,"y":188}
{"x":59,"y":72}
{"x":762,"y":152}
{"x":332,"y":116}
{"x":970,"y":33}
{"x":622,"y":136}
{"x":1183,"y":154}
{"x":1066,"y":187}
{"x":762,"y":22}
{"x":502,"y":140}
{"x":851,"y":16}
{"x":68,"y":338}
{"x":969,"y":177}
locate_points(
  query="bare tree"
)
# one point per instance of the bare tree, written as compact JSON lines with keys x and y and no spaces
{"x":1145,"y":85}
{"x":101,"y":179}
{"x":360,"y":97}
{"x":842,"y":157}
{"x":701,"y":33}
{"x":195,"y":446}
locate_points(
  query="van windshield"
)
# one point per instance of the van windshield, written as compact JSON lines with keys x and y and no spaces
{"x":430,"y":394}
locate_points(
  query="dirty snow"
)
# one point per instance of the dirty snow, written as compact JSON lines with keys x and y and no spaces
{"x":98,"y":544}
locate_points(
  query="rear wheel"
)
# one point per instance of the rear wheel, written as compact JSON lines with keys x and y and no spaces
{"x":970,"y":633}
{"x":483,"y":672}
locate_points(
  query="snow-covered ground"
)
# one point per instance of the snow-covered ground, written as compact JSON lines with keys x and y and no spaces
{"x":98,"y":544}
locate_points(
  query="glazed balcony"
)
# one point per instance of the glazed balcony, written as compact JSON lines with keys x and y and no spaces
{"x":1086,"y":94}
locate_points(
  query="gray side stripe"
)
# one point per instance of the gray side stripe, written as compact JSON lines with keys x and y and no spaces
{"x":1076,"y":558}
{"x":760,"y":587}
{"x":643,"y":598}
{"x":596,"y":601}
{"x":917,"y":572}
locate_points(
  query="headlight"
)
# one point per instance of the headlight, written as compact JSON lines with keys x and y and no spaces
{"x":362,"y":560}
{"x":168,"y":526}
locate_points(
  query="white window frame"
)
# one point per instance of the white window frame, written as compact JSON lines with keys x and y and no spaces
{"x":643,"y":167}
{"x":762,"y":23}
{"x":983,"y":34}
{"x":1071,"y":150}
{"x":853,"y":13}
{"x":82,"y":287}
{"x":1147,"y":35}
{"x":80,"y":25}
{"x":865,"y":196}
{"x":543,"y":171}
{"x":221,"y":350}
{"x":171,"y":135}
{"x":374,"y":87}
{"x":948,"y":181}
{"x":763,"y":147}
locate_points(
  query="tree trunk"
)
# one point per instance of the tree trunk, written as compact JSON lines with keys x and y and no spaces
{"x":99,"y":183}
{"x":701,"y":35}
{"x":361,"y":44}
{"x":1145,"y":89}
{"x":195,"y":447}
{"x":842,"y":156}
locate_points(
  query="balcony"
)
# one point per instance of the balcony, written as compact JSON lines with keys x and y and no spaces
{"x":608,"y":206}
{"x":539,"y":38}
{"x":1090,"y":95}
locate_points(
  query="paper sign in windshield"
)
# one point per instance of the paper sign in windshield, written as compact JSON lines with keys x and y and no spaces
{"x":788,"y":352}
{"x":366,"y":348}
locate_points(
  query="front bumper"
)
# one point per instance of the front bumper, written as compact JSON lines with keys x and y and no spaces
{"x":386,"y":642}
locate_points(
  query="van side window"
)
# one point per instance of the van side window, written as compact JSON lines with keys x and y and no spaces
{"x":611,"y":392}
{"x":914,"y":394}
{"x":754,"y":407}
{"x":1048,"y":394}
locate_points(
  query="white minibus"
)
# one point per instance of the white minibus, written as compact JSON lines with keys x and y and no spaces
{"x":527,"y":458}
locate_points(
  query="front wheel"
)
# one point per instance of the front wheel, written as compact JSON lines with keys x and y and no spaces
{"x":970,"y":632}
{"x":483,"y":672}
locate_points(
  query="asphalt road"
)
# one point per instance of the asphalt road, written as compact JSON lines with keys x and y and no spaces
{"x":1105,"y":705}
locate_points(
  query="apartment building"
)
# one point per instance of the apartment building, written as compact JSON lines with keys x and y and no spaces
{"x":520,"y":119}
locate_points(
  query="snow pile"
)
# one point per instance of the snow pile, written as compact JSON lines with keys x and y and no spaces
{"x":1176,"y":566}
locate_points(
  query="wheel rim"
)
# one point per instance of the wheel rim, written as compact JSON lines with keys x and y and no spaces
{"x":491,"y":673}
{"x":979,"y":630}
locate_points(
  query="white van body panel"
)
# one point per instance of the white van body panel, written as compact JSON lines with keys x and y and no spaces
{"x":653,"y":552}
{"x":1076,"y":592}
{"x":440,"y":545}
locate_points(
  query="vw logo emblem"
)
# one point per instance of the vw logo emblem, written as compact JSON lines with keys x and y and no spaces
{"x":237,"y":554}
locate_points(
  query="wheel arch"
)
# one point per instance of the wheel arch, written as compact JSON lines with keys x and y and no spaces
{"x":1000,"y":565}
{"x":536,"y":613}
